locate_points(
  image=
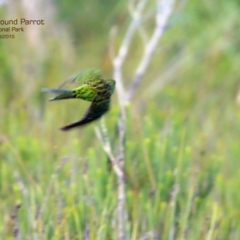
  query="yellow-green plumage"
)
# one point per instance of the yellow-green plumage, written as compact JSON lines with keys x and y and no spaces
{"x":92,"y":87}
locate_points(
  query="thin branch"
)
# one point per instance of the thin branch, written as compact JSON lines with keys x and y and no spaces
{"x":123,"y":51}
{"x":136,"y":8}
{"x":102,"y":136}
{"x":164,"y":11}
{"x":118,"y":163}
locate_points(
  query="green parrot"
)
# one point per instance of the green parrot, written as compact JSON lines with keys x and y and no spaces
{"x":92,"y":87}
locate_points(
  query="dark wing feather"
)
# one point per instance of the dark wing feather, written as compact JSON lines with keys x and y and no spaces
{"x":95,"y":111}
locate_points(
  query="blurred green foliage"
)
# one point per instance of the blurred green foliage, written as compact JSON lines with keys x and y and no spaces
{"x":182,"y":145}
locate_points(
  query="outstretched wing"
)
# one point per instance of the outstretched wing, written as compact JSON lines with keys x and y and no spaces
{"x":88,"y":75}
{"x":95,"y":111}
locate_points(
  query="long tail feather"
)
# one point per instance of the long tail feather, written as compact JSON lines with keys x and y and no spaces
{"x":65,"y":93}
{"x":56,"y":90}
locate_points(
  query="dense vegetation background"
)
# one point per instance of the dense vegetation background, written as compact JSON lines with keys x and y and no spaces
{"x":182,"y":144}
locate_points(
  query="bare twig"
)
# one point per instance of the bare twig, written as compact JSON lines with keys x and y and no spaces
{"x":164,"y":10}
{"x":118,"y":163}
{"x":136,"y":8}
{"x":102,"y":135}
{"x":117,"y":75}
{"x":118,"y":169}
{"x":123,"y":51}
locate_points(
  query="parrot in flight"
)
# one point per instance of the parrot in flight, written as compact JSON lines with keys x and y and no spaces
{"x":91,"y":87}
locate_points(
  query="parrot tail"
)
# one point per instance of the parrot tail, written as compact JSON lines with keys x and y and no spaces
{"x":65,"y":93}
